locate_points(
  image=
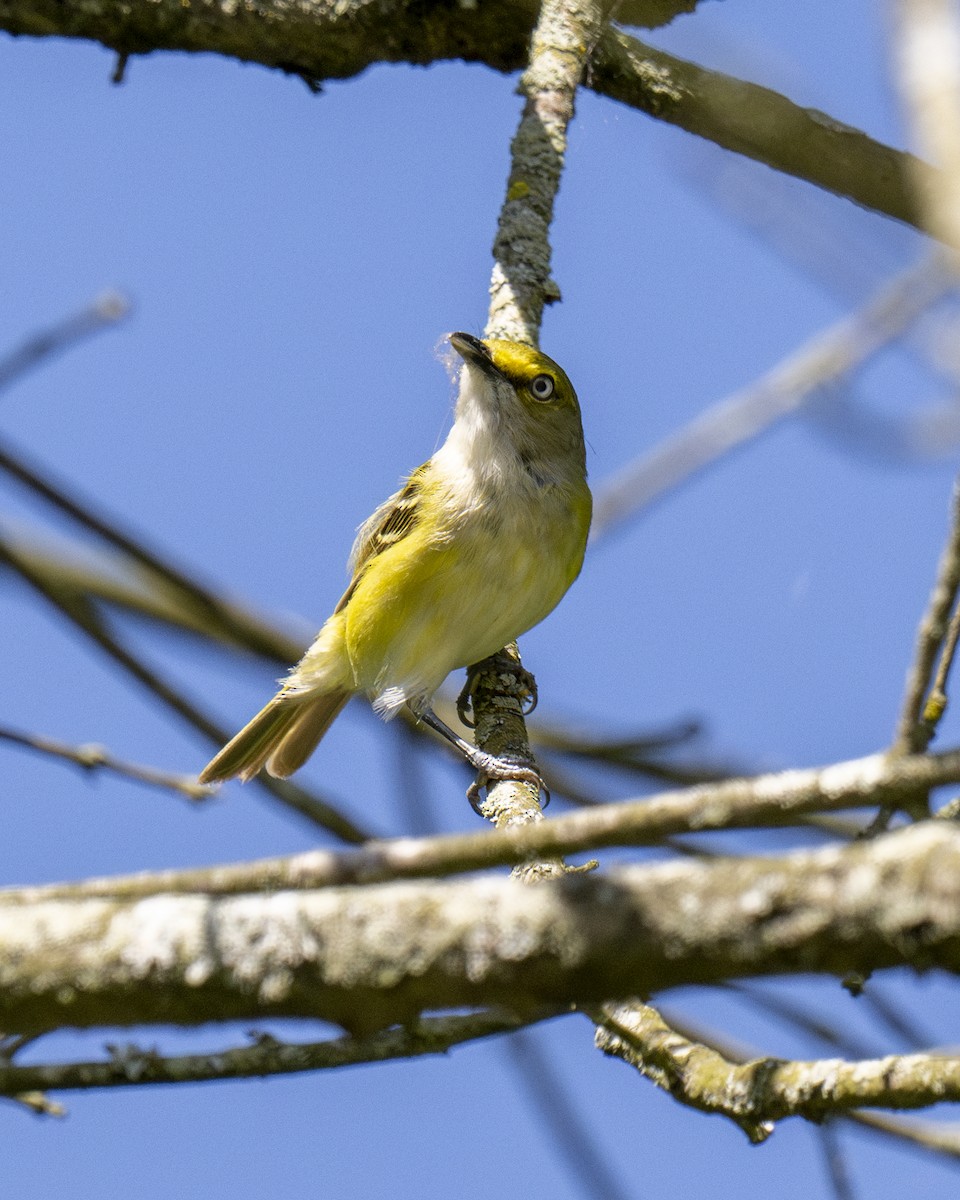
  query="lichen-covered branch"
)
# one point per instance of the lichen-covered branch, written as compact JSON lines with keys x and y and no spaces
{"x":373,"y":957}
{"x":563,"y":39}
{"x":758,"y":1092}
{"x":326,"y":40}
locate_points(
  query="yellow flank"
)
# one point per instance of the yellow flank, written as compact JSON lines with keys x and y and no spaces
{"x":478,"y":546}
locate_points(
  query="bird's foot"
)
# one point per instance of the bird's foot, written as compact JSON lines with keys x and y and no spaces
{"x":491,"y":769}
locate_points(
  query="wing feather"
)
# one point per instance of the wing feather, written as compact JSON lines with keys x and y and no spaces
{"x":389,"y":524}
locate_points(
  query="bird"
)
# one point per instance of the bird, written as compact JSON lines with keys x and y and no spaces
{"x":477,"y":546}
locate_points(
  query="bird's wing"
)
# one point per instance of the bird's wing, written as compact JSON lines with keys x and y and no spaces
{"x":389,"y":524}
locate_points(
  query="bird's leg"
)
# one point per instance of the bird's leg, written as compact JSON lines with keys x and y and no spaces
{"x":487,"y":766}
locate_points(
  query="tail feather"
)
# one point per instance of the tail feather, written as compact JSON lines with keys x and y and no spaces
{"x":300,"y":740}
{"x":282,"y":736}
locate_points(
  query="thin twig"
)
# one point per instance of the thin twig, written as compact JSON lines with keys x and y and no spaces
{"x":85,"y":618}
{"x":95,"y":758}
{"x":131,"y":1066}
{"x":754,"y":1091}
{"x":936,"y":702}
{"x":105,"y":311}
{"x":828,"y":1135}
{"x":569,"y":1133}
{"x":829,"y":355}
{"x":913,"y":734}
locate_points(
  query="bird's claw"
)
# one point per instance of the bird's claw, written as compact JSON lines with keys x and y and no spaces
{"x":528,"y":682}
{"x":465,"y":703}
{"x":528,"y":703}
{"x":496,"y":770}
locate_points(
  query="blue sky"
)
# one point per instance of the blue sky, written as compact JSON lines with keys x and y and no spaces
{"x":294,"y":261}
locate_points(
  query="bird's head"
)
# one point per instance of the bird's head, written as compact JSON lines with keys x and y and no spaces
{"x":515,"y":394}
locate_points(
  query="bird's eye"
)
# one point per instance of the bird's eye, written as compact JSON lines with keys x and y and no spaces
{"x":542,"y":387}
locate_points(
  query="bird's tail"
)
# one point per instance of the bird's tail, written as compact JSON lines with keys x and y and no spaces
{"x":281,"y":737}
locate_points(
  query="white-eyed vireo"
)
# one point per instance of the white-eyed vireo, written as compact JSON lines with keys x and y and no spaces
{"x":478,"y":545}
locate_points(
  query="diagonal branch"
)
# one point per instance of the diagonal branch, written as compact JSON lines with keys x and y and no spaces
{"x":830,"y":355}
{"x":336,"y":40}
{"x":766,"y":800}
{"x":84,"y":617}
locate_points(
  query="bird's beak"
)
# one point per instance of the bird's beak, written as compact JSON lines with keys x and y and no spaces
{"x":473,"y":351}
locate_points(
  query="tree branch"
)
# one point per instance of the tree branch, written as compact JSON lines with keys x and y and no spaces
{"x":131,"y":1066}
{"x":758,"y":1092}
{"x":373,"y":957}
{"x":766,"y":800}
{"x":336,"y":40}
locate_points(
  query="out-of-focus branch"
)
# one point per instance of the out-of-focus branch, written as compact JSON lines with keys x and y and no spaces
{"x":924,"y":1135}
{"x":758,"y":123}
{"x":828,"y":356}
{"x":103,"y":312}
{"x":96,"y":758}
{"x":99,"y":578}
{"x":224,"y":619}
{"x":766,"y":800}
{"x":928,"y":52}
{"x":556,"y":1109}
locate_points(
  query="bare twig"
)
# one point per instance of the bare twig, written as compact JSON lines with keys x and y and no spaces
{"x":106,"y":310}
{"x":832,"y":353}
{"x":916,"y":727}
{"x":131,"y":1066}
{"x":94,"y":758}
